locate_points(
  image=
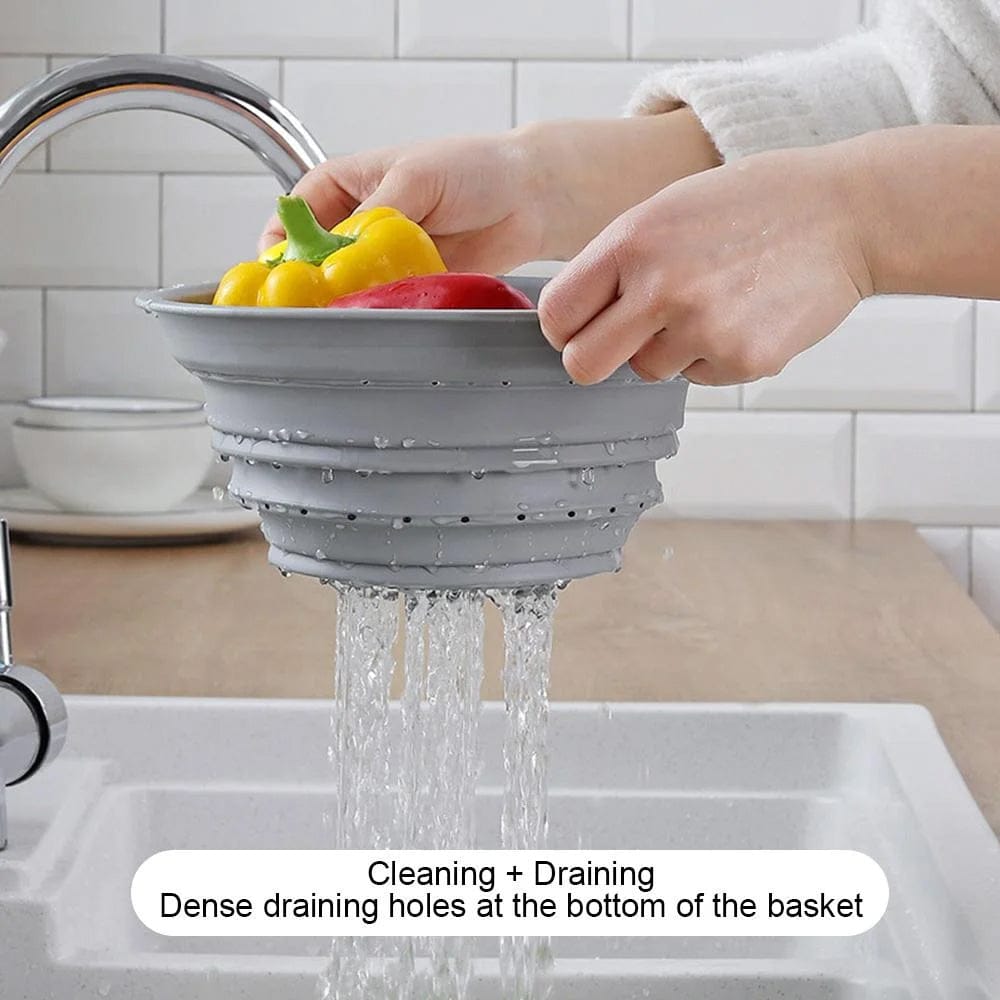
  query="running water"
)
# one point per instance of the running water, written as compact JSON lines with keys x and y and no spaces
{"x":407,"y":778}
{"x":527,"y":629}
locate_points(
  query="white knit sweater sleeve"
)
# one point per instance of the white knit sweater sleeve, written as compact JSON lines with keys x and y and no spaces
{"x":923,"y":61}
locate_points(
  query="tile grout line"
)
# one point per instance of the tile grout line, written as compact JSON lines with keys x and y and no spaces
{"x":159,"y":224}
{"x":395,"y":30}
{"x":629,"y":29}
{"x":652,"y":62}
{"x":163,"y":25}
{"x":44,"y":315}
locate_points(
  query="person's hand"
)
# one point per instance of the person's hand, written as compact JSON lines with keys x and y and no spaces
{"x":477,"y":197}
{"x":723,"y":277}
{"x":535,"y":193}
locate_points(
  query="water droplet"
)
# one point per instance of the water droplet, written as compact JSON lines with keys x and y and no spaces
{"x":284,"y":434}
{"x":522,"y":506}
{"x":276,"y":465}
{"x":364,"y":473}
{"x":408,"y":442}
{"x":381,"y":442}
{"x":326,"y":476}
{"x":609,"y":447}
{"x":218,"y":493}
{"x":223,"y":458}
{"x":302,"y":435}
{"x":320,"y":555}
{"x":397,"y":523}
{"x":588,"y":477}
{"x":478,"y":473}
{"x":284,"y":573}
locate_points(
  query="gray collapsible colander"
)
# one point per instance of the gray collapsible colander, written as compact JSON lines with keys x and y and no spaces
{"x":421,"y":448}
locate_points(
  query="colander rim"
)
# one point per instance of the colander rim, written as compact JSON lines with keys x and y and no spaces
{"x":189,"y":300}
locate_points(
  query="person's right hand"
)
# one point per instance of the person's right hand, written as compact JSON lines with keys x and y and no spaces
{"x":540,"y":192}
{"x":475,"y":196}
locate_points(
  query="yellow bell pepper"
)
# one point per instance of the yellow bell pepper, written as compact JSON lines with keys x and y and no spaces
{"x":314,"y":266}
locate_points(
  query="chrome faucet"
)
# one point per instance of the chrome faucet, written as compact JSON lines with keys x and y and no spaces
{"x":32,"y":713}
{"x":161,"y":83}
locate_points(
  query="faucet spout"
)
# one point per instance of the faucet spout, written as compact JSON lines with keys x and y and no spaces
{"x":157,"y":82}
{"x":32,"y":712}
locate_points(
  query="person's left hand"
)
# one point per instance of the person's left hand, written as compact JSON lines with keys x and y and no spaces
{"x":724,"y":276}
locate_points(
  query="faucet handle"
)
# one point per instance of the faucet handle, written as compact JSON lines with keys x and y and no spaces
{"x":6,"y":598}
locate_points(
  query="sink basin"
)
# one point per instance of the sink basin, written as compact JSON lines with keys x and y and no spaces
{"x":143,"y":775}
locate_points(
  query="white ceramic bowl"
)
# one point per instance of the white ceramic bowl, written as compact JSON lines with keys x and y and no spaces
{"x":110,"y":412}
{"x":114,"y":470}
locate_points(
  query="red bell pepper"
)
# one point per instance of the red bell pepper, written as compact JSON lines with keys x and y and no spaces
{"x":438,"y":291}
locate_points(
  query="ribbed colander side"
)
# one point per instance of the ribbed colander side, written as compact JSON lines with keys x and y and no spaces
{"x":432,"y":450}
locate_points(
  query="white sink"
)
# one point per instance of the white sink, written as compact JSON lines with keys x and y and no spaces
{"x":143,"y":775}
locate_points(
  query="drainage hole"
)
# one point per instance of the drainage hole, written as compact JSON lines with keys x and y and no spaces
{"x":267,"y":506}
{"x":352,"y":517}
{"x":520,"y":517}
{"x":505,"y":383}
{"x":465,"y":519}
{"x":303,"y":511}
{"x":641,"y":505}
{"x":407,"y":519}
{"x":571,"y":513}
{"x":611,"y":510}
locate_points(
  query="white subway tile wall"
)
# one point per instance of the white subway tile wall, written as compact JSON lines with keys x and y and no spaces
{"x":671,"y":29}
{"x":571,"y":29}
{"x":9,"y":473}
{"x":20,"y":337}
{"x":754,"y":465}
{"x":351,"y":105}
{"x":953,"y":547}
{"x":896,"y":415}
{"x":988,"y":356}
{"x":97,"y":345}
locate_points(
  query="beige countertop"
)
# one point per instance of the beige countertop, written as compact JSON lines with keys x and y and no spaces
{"x":704,"y":611}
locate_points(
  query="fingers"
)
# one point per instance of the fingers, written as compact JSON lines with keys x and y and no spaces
{"x":600,"y":311}
{"x":610,"y":339}
{"x":409,"y":186}
{"x":589,"y":284}
{"x":664,"y":356}
{"x":333,"y":191}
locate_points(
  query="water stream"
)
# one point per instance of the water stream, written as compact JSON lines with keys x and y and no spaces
{"x":407,"y":778}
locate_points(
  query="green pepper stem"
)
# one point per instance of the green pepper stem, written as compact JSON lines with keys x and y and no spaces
{"x":307,"y":239}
